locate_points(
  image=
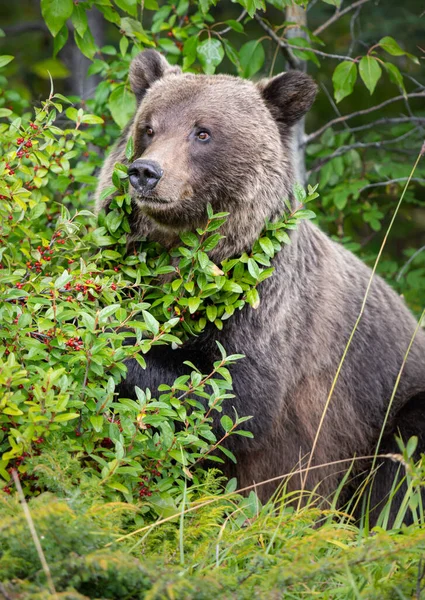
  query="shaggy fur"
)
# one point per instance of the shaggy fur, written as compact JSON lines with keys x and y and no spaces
{"x":294,"y":341}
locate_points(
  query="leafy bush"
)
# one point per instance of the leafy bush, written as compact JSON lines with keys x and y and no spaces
{"x":72,"y":294}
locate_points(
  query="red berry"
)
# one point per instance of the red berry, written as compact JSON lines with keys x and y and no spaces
{"x":113,"y":287}
{"x":20,"y":141}
{"x":28,"y":144}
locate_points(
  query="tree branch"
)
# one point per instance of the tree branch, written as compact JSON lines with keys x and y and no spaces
{"x":286,"y":48}
{"x":292,"y":60}
{"x":318,"y":132}
{"x":337,"y":15}
{"x":343,"y":149}
{"x":388,"y":121}
{"x":383,"y":183}
{"x":227,"y":29}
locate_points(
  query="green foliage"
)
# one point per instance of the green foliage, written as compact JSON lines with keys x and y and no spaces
{"x":70,"y":297}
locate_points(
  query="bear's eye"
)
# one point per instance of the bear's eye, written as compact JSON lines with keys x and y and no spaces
{"x":149,"y":131}
{"x":203,"y":136}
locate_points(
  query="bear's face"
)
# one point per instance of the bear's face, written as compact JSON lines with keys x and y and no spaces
{"x":202,"y":139}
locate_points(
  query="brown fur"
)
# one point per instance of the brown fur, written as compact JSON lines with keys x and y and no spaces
{"x":294,"y":341}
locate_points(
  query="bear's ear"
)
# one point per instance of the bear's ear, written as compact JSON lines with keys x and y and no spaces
{"x":288,"y":96}
{"x":146,"y":68}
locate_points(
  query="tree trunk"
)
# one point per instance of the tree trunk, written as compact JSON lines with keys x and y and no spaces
{"x":297,"y":14}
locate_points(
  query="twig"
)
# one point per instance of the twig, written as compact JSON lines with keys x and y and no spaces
{"x":334,"y":106}
{"x":387,"y":121}
{"x":292,"y":60}
{"x":358,"y":113}
{"x":379,"y":183}
{"x":4,"y":592}
{"x":343,"y":149}
{"x":353,"y":20}
{"x":337,"y":15}
{"x":241,"y":16}
{"x":411,"y":259}
{"x":34,"y":535}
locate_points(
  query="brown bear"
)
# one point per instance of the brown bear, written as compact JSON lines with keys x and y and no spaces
{"x":227,"y":141}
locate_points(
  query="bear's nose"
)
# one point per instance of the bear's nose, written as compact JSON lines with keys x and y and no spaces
{"x":144,"y":174}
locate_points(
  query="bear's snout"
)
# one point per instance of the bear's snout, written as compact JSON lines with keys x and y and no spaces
{"x":144,"y":175}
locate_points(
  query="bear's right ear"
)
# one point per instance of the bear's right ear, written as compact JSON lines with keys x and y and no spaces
{"x":146,"y":68}
{"x":288,"y":96}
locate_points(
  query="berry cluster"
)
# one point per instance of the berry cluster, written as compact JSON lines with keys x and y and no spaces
{"x":144,"y":490}
{"x":75,"y":343}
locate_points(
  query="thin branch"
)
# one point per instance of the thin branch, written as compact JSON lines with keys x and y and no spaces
{"x":292,"y":60}
{"x":343,"y":149}
{"x":332,"y":103}
{"x":227,"y":29}
{"x":365,"y":111}
{"x":320,"y":53}
{"x":353,"y":21}
{"x":34,"y":535}
{"x":387,"y":121}
{"x":383,"y":183}
{"x":411,"y":259}
{"x":337,"y":15}
{"x":3,"y":591}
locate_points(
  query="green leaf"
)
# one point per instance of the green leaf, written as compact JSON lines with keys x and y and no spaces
{"x":115,"y":485}
{"x":344,"y":77}
{"x":389,"y":44}
{"x":106,"y":312}
{"x":370,"y":72}
{"x":92,"y":119}
{"x":235,"y":25}
{"x":129,"y":149}
{"x":305,"y":214}
{"x":193,"y":304}
{"x":5,"y":59}
{"x":253,"y":268}
{"x":151,"y":323}
{"x":253,"y":298}
{"x":97,"y":422}
{"x":122,"y":105}
{"x":226,"y":423}
{"x":128,"y":6}
{"x":79,"y":19}
{"x":211,"y":312}
{"x":60,"y":40}
{"x":395,"y":76}
{"x":267,"y":246}
{"x":210,"y":54}
{"x":251,"y":58}
{"x":55,"y":13}
{"x":86,"y":43}
{"x":5,"y":112}
{"x":63,"y":279}
{"x":65,"y":417}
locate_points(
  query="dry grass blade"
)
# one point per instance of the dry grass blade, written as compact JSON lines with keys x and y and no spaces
{"x":34,"y":535}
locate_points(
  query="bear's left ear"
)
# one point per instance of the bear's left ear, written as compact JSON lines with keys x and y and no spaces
{"x":146,"y":68}
{"x":288,"y":96}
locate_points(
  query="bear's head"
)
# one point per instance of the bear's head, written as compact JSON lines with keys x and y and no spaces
{"x":214,"y":139}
